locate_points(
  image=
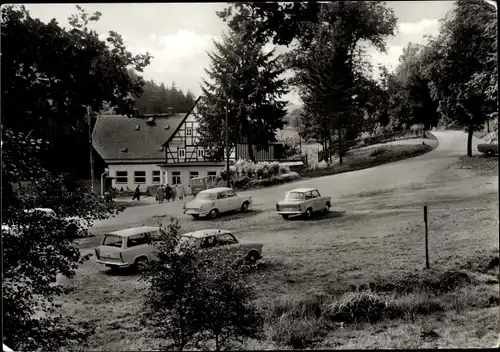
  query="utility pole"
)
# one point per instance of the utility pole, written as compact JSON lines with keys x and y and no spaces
{"x":227,"y":149}
{"x":91,"y":154}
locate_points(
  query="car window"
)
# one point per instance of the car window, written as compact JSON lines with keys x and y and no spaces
{"x":221,"y":195}
{"x":113,"y":241}
{"x":315,"y":194}
{"x":188,"y":241}
{"x":294,"y":196}
{"x":309,"y":195}
{"x":209,"y":242}
{"x":137,"y":240}
{"x":230,"y":194}
{"x":225,"y":239}
{"x":205,"y":196}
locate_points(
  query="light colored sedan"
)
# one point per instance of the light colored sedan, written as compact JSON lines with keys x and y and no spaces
{"x":212,"y":202}
{"x":209,"y":241}
{"x":303,"y":201}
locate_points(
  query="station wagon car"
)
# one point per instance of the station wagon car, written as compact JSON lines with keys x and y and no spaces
{"x":127,"y":248}
{"x":303,"y":201}
{"x":207,"y":242}
{"x":212,"y":202}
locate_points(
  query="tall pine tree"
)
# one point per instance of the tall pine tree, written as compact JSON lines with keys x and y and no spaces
{"x":247,"y":81}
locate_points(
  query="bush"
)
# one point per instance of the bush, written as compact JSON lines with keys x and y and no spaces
{"x":378,"y":151}
{"x":296,"y":333}
{"x":355,"y":307}
{"x":245,"y":174}
{"x":189,"y":303}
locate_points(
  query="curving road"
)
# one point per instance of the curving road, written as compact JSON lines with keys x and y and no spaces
{"x":414,"y":173}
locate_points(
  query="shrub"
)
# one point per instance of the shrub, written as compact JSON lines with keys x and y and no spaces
{"x":409,"y":306}
{"x":377,"y":151}
{"x":355,"y":307}
{"x":296,"y":333}
{"x":189,"y":303}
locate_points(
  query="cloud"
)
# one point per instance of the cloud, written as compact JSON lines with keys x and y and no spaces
{"x":424,"y":26}
{"x":180,"y":57}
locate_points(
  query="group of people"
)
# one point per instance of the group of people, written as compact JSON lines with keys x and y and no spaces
{"x":170,"y":193}
{"x":164,"y":192}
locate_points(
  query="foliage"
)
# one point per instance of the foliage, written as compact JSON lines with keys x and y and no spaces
{"x":43,"y":61}
{"x":41,"y":64}
{"x":331,"y":71}
{"x":190,"y":301}
{"x":52,"y":74}
{"x":462,"y":66}
{"x":411,"y":100}
{"x":157,"y":99}
{"x":247,"y":82}
{"x":36,"y":248}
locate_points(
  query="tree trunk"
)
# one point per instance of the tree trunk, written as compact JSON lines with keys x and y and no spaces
{"x":340,"y":147}
{"x":488,"y":125}
{"x":217,"y":348}
{"x":469,"y":141}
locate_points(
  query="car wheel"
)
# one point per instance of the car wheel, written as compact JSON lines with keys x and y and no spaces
{"x":141,"y":264}
{"x":213,"y":213}
{"x":327,"y":208}
{"x":244,"y":207}
{"x":196,"y":217}
{"x":252,"y":258}
{"x":309,"y":213}
{"x":285,"y":216}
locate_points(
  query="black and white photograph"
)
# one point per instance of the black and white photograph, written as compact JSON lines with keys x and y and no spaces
{"x":219,"y":176}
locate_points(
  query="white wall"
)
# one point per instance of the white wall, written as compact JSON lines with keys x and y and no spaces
{"x":185,"y":173}
{"x":130,"y":168}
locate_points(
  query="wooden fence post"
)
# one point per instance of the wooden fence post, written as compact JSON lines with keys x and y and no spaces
{"x":426,"y":239}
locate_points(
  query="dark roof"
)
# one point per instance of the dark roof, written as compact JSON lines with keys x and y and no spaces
{"x":113,"y":134}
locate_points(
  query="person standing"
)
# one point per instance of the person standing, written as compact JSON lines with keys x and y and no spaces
{"x":174,"y":193}
{"x":180,"y":191}
{"x":168,"y":192}
{"x":160,"y":194}
{"x":137,"y":193}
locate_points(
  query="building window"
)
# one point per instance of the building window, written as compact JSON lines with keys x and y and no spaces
{"x":176,"y":177}
{"x":139,"y":176}
{"x":212,"y":175}
{"x":121,"y":177}
{"x":156,"y":176}
{"x":201,"y":153}
{"x":189,"y":131}
{"x":181,"y":153}
{"x":193,"y":174}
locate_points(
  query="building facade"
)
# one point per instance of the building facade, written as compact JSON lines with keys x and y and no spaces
{"x":162,"y":149}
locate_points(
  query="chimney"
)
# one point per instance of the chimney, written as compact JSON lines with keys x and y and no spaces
{"x":170,"y":111}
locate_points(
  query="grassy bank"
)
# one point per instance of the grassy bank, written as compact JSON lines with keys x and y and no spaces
{"x":365,"y":158}
{"x":480,"y":164}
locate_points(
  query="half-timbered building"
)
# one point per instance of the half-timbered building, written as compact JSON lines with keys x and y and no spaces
{"x":161,"y":149}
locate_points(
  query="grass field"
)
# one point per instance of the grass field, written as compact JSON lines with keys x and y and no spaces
{"x":355,"y":278}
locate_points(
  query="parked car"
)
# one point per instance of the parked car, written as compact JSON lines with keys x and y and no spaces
{"x":209,"y":241}
{"x":490,"y":148}
{"x":77,"y":226}
{"x":212,"y":202}
{"x":127,"y":248}
{"x":134,"y":247}
{"x":303,"y":201}
{"x":199,"y":184}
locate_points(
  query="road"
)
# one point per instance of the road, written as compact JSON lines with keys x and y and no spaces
{"x":407,"y":174}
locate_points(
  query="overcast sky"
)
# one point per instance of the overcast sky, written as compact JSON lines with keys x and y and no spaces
{"x":179,"y":34}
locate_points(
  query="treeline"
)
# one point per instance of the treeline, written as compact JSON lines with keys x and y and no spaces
{"x":449,"y":81}
{"x":157,"y":98}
